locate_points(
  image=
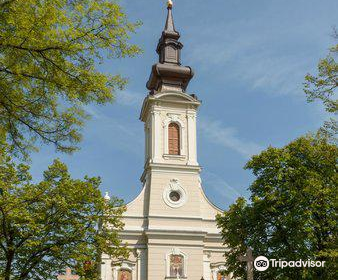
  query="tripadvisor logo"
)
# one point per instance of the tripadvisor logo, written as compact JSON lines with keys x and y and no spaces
{"x":262,"y":263}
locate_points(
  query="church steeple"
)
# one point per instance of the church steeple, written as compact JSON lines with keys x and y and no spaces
{"x":169,"y":25}
{"x":168,"y":74}
{"x":169,"y":48}
{"x":170,"y":223}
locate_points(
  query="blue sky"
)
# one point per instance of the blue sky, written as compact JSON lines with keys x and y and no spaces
{"x":250,"y":59}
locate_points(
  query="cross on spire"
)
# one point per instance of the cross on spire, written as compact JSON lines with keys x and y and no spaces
{"x":68,"y":275}
{"x":248,"y":258}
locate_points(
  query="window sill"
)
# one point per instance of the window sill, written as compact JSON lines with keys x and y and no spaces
{"x":179,"y":157}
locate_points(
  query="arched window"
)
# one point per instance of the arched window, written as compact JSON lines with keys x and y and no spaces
{"x":174,"y":139}
{"x":176,"y":265}
{"x":123,"y":270}
{"x":218,"y":272}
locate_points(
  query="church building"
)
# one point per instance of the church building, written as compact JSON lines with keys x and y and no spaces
{"x":170,"y":227}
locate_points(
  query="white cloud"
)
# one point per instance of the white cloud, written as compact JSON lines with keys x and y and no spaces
{"x":244,"y":62}
{"x":92,"y":111}
{"x":273,"y":74}
{"x":228,"y":138}
{"x":116,"y":134}
{"x":261,"y":57}
{"x":125,"y":98}
{"x":111,"y":132}
{"x":221,"y":187}
{"x":129,"y":98}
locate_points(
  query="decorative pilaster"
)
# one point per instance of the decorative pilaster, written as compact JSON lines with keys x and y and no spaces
{"x":192,"y":146}
{"x":156,"y":128}
{"x":206,"y":266}
{"x":106,"y":269}
{"x":147,"y":142}
{"x":138,"y":264}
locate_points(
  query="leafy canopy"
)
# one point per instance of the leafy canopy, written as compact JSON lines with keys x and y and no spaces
{"x":56,"y":223}
{"x":324,"y":87}
{"x":292,"y":214}
{"x":48,"y":52}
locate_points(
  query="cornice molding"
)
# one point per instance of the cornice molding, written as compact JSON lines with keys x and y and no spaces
{"x":182,"y":98}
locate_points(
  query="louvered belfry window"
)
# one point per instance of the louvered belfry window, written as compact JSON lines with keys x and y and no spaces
{"x":174,"y":139}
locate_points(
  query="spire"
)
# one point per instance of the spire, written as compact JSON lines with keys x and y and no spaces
{"x":169,"y":72}
{"x":169,"y":25}
{"x":169,"y":48}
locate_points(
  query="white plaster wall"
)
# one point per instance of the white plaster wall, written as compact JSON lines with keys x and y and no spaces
{"x":157,"y":262}
{"x":152,"y":227}
{"x":157,"y":116}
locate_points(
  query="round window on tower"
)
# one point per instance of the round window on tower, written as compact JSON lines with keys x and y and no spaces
{"x":174,"y":196}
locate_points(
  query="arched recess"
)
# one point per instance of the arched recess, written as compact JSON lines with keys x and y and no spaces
{"x":176,"y":264}
{"x":127,"y":267}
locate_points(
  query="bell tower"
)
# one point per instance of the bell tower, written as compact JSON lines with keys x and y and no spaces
{"x":169,"y":112}
{"x":170,"y":226}
{"x":171,"y":176}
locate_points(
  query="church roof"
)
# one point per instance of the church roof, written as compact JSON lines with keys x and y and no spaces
{"x":169,"y":71}
{"x":169,"y":25}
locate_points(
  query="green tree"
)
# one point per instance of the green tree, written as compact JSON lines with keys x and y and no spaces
{"x":56,"y":223}
{"x":292,"y":214}
{"x":48,"y":55}
{"x":324,"y":87}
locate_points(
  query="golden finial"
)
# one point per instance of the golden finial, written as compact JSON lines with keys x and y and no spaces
{"x":170,"y":4}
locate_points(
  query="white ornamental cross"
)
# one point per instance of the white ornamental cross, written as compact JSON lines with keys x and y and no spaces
{"x":68,"y":275}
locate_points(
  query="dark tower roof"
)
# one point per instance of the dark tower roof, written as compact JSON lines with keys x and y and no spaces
{"x":169,"y":72}
{"x":169,"y":25}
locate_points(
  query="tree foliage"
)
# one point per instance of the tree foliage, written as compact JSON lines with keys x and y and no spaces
{"x":48,"y":55}
{"x":56,"y":223}
{"x":324,"y":87}
{"x":292,"y":214}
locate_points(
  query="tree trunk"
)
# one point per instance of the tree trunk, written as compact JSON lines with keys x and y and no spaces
{"x":8,"y":269}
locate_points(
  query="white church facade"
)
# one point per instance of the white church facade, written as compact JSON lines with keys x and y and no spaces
{"x":170,"y":227}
